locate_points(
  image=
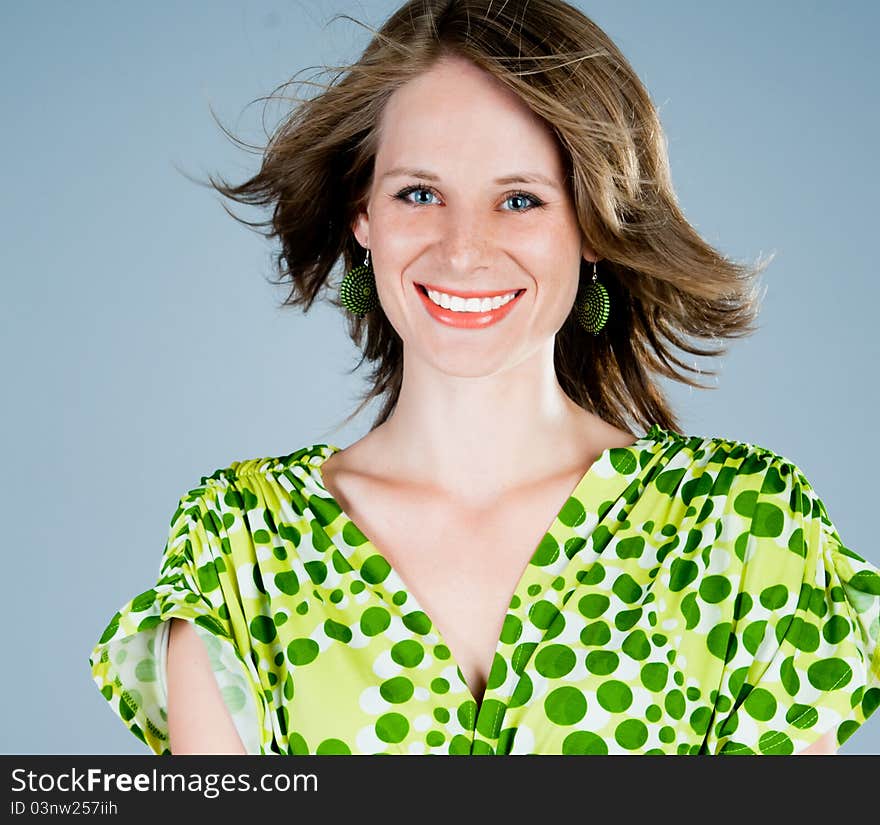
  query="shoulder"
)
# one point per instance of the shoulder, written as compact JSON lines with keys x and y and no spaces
{"x":248,"y":490}
{"x":248,"y":473}
{"x":238,"y":511}
{"x":743,"y":492}
{"x":732,"y":466}
{"x":717,"y":447}
{"x":243,"y":469}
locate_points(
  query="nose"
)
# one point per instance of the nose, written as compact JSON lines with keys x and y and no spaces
{"x":467,"y":242}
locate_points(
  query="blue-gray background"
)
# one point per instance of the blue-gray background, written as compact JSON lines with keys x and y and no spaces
{"x":144,"y":346}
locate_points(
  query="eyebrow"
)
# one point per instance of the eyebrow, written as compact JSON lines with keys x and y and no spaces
{"x":516,"y":177}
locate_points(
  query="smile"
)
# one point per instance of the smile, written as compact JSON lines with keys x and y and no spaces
{"x":469,"y":310}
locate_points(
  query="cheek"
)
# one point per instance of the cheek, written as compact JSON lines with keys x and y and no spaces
{"x":390,"y":296}
{"x":391,"y":287}
{"x":562,"y":300}
{"x":396,"y":241}
{"x":553,"y":259}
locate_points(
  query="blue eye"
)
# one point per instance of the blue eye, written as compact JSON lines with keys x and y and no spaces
{"x":404,"y":194}
{"x":524,"y":196}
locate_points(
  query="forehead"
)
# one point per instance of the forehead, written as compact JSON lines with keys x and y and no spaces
{"x":457,"y":115}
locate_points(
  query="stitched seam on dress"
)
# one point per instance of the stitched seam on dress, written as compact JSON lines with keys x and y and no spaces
{"x":494,"y":720}
{"x":778,"y":737}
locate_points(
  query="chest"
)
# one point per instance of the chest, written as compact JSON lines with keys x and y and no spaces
{"x":461,"y":566}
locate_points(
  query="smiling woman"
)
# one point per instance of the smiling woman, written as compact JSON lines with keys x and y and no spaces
{"x":523,"y":554}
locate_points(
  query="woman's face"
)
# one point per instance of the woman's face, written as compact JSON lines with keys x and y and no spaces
{"x":439,"y":213}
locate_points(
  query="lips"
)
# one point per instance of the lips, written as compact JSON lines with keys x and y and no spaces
{"x":468,"y":320}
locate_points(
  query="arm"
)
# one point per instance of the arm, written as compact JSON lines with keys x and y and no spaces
{"x":826,"y":746}
{"x":198,"y":720}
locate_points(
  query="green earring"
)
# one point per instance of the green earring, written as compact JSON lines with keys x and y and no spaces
{"x":593,"y":309}
{"x":357,"y":292}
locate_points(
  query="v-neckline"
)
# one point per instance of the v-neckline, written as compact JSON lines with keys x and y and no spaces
{"x":519,"y":597}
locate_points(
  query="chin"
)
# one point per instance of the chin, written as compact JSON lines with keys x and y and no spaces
{"x":465,"y":362}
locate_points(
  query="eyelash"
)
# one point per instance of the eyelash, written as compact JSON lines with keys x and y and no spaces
{"x":408,"y":190}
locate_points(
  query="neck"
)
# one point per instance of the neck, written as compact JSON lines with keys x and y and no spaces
{"x":478,"y":438}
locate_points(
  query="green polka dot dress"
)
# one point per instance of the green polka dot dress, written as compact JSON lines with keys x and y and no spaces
{"x":692,"y":596}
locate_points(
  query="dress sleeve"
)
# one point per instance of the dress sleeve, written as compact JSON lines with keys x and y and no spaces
{"x":128,"y":664}
{"x":802,"y":658}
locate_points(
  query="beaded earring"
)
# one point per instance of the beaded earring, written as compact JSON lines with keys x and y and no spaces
{"x":357,"y":292}
{"x":593,"y":309}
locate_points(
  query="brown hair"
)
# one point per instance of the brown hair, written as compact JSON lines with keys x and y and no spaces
{"x":665,"y":282}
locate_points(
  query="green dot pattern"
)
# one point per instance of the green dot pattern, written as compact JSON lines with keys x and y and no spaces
{"x":692,"y":596}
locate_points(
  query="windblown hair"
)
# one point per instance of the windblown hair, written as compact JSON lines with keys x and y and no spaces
{"x":665,"y":282}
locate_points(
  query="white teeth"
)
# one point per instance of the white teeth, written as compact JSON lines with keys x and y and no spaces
{"x":458,"y":304}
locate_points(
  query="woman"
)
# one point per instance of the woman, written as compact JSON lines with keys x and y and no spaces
{"x":502,"y":173}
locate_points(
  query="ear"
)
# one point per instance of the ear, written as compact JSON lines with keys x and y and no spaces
{"x":361,"y":229}
{"x":588,"y":253}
